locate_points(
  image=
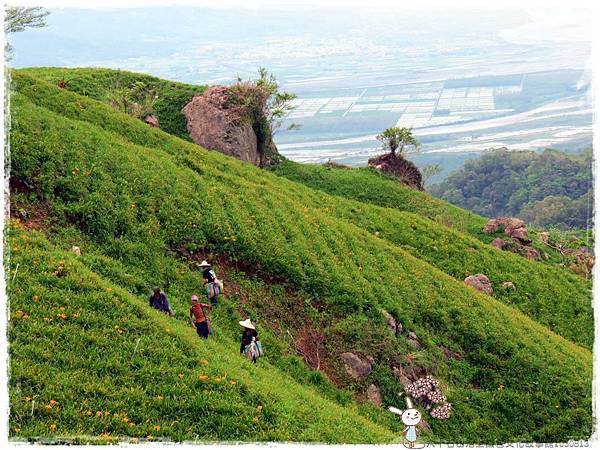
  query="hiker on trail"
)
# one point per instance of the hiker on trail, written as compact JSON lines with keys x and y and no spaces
{"x":158,"y":300}
{"x":250,"y":345}
{"x":213,"y":285}
{"x":199,"y":317}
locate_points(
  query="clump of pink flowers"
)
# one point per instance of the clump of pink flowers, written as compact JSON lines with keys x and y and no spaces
{"x":425,"y":392}
{"x":441,"y":412}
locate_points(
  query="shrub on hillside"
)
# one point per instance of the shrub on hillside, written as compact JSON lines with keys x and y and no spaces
{"x":137,"y":100}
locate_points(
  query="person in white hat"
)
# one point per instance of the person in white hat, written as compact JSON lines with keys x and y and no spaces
{"x":249,"y":336}
{"x":211,"y":282}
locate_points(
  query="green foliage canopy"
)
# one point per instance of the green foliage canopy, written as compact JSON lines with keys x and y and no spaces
{"x":396,"y":138}
{"x":548,"y":188}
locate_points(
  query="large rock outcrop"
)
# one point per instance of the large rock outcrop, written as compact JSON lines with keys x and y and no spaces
{"x":399,"y":167}
{"x":518,"y":237}
{"x":217,"y":121}
{"x":513,"y":227}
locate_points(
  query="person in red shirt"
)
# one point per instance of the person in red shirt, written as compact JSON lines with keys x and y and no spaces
{"x":199,"y":317}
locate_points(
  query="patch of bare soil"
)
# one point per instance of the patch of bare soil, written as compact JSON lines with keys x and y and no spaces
{"x":286,"y":316}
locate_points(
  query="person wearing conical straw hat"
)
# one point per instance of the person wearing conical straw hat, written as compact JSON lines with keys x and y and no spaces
{"x":213,"y":287}
{"x":249,"y":340}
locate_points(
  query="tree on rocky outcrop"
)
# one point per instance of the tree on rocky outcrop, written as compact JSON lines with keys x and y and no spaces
{"x":240,"y":120}
{"x":396,"y":139}
{"x":263,"y":97}
{"x":399,"y":167}
{"x":18,"y":18}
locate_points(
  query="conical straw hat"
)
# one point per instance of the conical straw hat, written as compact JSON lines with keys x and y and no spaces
{"x":247,"y":324}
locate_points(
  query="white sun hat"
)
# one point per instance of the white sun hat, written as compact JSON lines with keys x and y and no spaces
{"x":247,"y":324}
{"x":204,"y":264}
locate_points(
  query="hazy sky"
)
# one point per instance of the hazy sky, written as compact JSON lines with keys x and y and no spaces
{"x":559,"y":4}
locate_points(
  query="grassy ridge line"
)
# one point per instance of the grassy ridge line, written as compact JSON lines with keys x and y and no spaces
{"x":442,"y":310}
{"x":99,"y":83}
{"x":96,"y":83}
{"x":290,"y":412}
{"x":556,"y":298}
{"x":366,"y":185}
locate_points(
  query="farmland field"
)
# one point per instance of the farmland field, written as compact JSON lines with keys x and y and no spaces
{"x":483,"y":79}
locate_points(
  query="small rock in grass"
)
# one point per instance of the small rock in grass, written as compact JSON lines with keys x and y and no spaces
{"x":374,"y":395}
{"x":491,"y":226}
{"x":481,"y":283}
{"x":152,"y":121}
{"x":508,"y":285}
{"x":401,"y":375}
{"x":498,"y":243}
{"x":414,"y":340}
{"x":355,"y":366}
{"x":517,"y":233}
{"x":532,"y":254}
{"x":391,"y":322}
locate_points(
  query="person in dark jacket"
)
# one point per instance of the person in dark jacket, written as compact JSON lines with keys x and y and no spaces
{"x":158,"y":300}
{"x":199,"y":317}
{"x":210,"y":280}
{"x":248,"y":336}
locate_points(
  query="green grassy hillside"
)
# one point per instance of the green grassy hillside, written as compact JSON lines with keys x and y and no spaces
{"x":368,"y":186}
{"x":92,"y":360}
{"x":142,"y":197}
{"x":99,"y":83}
{"x":552,"y":296}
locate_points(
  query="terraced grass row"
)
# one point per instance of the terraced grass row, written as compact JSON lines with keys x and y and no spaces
{"x":275,"y":307}
{"x":126,"y":195}
{"x":554,"y":297}
{"x":368,"y":186}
